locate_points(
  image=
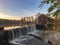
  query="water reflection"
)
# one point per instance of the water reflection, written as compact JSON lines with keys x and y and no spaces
{"x":8,"y":28}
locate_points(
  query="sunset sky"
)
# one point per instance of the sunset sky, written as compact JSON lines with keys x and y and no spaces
{"x":21,"y":8}
{"x":4,"y":16}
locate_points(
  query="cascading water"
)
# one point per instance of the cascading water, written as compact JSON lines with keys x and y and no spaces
{"x":19,"y":31}
{"x":29,"y":28}
{"x":33,"y":27}
{"x":24,"y":31}
{"x":16,"y":35}
{"x":11,"y":35}
{"x":16,"y":32}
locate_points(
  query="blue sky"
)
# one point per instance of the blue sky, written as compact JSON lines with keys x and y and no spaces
{"x":22,"y":8}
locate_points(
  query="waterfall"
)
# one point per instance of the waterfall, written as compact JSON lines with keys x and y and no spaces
{"x":34,"y":27}
{"x":23,"y":31}
{"x":16,"y":32}
{"x":11,"y":35}
{"x":30,"y":28}
{"x":19,"y":31}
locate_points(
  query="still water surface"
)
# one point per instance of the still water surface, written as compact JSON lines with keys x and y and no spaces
{"x":8,"y":28}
